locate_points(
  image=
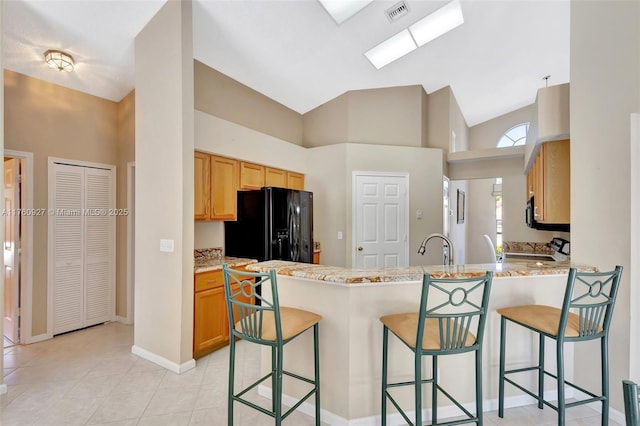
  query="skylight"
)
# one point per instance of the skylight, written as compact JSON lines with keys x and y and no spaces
{"x":341,"y":10}
{"x":425,"y":30}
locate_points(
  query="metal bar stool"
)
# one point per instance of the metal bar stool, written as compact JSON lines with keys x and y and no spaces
{"x":585,"y":315}
{"x":631,"y":403}
{"x":450,"y":320}
{"x":267,"y":324}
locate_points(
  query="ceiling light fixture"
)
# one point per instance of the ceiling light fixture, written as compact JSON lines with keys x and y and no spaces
{"x":341,"y":10}
{"x":59,"y":60}
{"x":391,"y":49}
{"x":428,"y":28}
{"x":437,"y":23}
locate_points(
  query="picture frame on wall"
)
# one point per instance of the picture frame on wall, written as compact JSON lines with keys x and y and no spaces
{"x":460,"y":206}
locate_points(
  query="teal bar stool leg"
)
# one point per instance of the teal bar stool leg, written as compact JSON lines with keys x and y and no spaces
{"x":385,"y":340}
{"x":231,"y":391}
{"x":503,"y":338}
{"x":274,"y":375}
{"x":541,"y":371}
{"x":560,"y":374}
{"x":604,"y":360}
{"x":434,"y":392}
{"x":418,"y":385}
{"x":278,"y":411}
{"x":479,"y":387}
{"x":316,"y":355}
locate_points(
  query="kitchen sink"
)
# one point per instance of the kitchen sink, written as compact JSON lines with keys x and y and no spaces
{"x":529,"y":256}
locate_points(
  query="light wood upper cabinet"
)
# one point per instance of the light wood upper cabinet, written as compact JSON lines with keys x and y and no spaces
{"x":201,"y":186}
{"x":251,"y":175}
{"x":550,"y":180}
{"x":295,"y":180}
{"x":224,"y":186}
{"x":217,"y":180}
{"x":275,"y":177}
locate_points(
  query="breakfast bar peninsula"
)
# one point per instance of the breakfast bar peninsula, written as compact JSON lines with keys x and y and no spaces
{"x":351,"y":301}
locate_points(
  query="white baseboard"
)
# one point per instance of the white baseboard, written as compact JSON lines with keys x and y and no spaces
{"x":123,"y":320}
{"x":35,"y":339}
{"x":395,"y":419}
{"x":3,"y":388}
{"x":163,"y":362}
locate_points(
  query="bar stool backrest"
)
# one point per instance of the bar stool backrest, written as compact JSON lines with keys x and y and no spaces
{"x":249,"y":320}
{"x":459,"y":306}
{"x":591,"y":296}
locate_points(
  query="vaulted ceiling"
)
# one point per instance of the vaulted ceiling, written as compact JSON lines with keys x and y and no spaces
{"x":295,"y":53}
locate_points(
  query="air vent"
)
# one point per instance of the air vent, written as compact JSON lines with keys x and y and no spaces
{"x":397,"y":11}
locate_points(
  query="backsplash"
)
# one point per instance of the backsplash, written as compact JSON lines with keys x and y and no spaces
{"x":525,"y":247}
{"x":207,"y":253}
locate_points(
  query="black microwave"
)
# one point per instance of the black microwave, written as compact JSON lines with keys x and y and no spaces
{"x":529,"y":214}
{"x":530,"y":220}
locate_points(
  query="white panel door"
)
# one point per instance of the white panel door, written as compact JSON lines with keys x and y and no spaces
{"x":380,"y":220}
{"x":68,"y":250}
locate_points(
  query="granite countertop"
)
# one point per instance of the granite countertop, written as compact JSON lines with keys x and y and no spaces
{"x":213,"y":264}
{"x":341,"y":275}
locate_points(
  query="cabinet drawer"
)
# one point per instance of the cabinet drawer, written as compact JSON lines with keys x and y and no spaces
{"x":208,"y":280}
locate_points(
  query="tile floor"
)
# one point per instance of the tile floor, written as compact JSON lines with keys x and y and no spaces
{"x":90,"y":377}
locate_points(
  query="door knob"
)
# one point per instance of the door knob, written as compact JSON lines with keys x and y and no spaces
{"x":360,"y":248}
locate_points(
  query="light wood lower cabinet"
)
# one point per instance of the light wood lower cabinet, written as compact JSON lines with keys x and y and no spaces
{"x":210,"y":320}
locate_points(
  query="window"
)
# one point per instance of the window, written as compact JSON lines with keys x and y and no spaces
{"x":515,"y":136}
{"x":497,"y":193}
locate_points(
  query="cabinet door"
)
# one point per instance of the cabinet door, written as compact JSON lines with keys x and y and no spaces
{"x":275,"y":177}
{"x":224,"y":186}
{"x":251,"y":176}
{"x":201,"y":185}
{"x":557,"y":178}
{"x":538,"y":185}
{"x":295,"y":180}
{"x":210,"y":327}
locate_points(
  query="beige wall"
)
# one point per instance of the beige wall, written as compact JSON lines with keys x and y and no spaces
{"x":125,"y":154}
{"x":424,"y":166}
{"x":486,"y":135}
{"x":218,"y":136}
{"x":388,"y":116}
{"x":226,"y":98}
{"x":605,"y":90}
{"x":52,"y":121}
{"x":164,"y":129}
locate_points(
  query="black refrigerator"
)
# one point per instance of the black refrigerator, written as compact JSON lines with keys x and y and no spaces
{"x":273,"y":224}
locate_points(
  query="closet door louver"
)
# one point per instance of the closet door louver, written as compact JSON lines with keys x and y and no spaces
{"x":68,"y":248}
{"x":98,"y":225}
{"x":83,"y":232}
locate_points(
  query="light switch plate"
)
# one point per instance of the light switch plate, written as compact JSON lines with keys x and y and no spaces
{"x":166,"y":246}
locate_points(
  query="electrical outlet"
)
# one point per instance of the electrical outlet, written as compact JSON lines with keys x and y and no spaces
{"x":166,"y":246}
{"x":339,"y":235}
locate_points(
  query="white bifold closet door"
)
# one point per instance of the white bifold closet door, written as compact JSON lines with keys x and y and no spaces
{"x":83,"y":247}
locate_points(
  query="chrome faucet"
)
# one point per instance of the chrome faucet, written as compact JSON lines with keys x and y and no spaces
{"x":449,"y":254}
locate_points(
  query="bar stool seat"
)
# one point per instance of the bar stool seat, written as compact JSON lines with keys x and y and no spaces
{"x":542,"y":318}
{"x":585,"y":315}
{"x":405,"y":326}
{"x":450,"y":320}
{"x":269,"y":324}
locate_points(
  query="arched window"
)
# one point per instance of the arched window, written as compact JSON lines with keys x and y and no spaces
{"x":515,"y":136}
